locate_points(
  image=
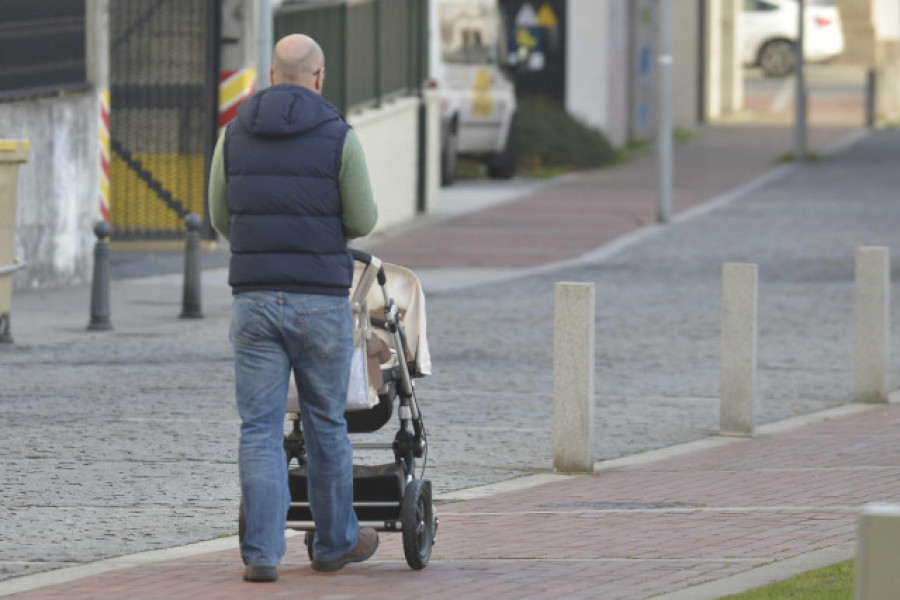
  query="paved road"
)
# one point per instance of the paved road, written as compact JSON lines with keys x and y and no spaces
{"x":116,"y":443}
{"x":836,"y":94}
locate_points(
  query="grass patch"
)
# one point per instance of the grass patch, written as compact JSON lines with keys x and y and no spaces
{"x":830,"y":583}
{"x":788,"y":157}
{"x":682,"y":135}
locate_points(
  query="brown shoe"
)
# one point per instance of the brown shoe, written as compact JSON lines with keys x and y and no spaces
{"x":260,"y":573}
{"x":365,"y":547}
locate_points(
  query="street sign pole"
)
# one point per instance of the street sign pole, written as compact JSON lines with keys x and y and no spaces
{"x":264,"y":17}
{"x":800,"y":116}
{"x":664,"y":134}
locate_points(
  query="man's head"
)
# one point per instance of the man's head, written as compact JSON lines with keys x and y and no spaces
{"x":298,"y":60}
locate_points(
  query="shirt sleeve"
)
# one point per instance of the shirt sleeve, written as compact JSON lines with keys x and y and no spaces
{"x":219,"y":214}
{"x":359,"y":211}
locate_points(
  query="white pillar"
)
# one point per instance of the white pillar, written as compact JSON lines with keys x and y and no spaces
{"x":738,"y":359}
{"x":573,"y":377}
{"x":872,"y":323}
{"x":878,"y":552}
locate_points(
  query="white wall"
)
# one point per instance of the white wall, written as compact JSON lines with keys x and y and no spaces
{"x":886,"y":14}
{"x":390,"y":140}
{"x":597,"y":65}
{"x":686,"y":63}
{"x":58,"y":188}
{"x":587,"y":74}
{"x":724,"y":71}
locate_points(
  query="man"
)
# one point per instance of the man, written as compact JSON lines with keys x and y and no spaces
{"x":288,"y":187}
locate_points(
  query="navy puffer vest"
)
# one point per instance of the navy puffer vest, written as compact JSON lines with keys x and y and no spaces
{"x":283,"y":160}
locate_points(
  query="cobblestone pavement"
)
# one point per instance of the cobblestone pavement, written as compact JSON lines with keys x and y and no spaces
{"x":122,"y":442}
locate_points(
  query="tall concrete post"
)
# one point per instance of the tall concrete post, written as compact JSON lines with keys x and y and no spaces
{"x":664,"y":125}
{"x":872,"y":339}
{"x":877,"y":556}
{"x":800,"y":102}
{"x":738,"y":361}
{"x":573,"y":377}
{"x":265,"y":20}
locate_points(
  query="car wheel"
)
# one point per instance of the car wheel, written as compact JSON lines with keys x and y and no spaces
{"x":777,"y":58}
{"x":449,"y":158}
{"x":502,"y":165}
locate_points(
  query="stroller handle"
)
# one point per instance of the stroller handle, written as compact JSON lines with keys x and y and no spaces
{"x":366,"y":258}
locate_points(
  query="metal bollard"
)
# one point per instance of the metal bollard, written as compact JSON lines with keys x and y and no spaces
{"x":100,"y":283}
{"x":190,"y":299}
{"x":871,"y":94}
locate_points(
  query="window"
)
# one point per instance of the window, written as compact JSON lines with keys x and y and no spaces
{"x":468,"y":35}
{"x":759,"y":6}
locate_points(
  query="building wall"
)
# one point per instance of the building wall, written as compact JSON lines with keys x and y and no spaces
{"x":724,"y":80}
{"x":597,"y":65}
{"x":857,"y":19}
{"x":58,"y":188}
{"x":686,"y":35}
{"x":605,"y":84}
{"x":389,"y":137}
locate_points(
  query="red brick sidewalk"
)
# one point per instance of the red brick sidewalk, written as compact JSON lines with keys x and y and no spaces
{"x":577,"y":214}
{"x":632,"y":532}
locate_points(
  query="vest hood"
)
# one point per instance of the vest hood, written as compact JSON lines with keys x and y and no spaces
{"x":284,"y":111}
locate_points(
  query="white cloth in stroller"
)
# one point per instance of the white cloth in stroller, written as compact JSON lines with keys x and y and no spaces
{"x":405,"y":290}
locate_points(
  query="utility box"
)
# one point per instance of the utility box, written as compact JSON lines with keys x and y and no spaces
{"x":12,"y":154}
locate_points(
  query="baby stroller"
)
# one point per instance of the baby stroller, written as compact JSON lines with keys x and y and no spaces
{"x":389,"y":331}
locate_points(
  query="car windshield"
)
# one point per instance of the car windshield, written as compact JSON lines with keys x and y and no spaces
{"x":468,"y":34}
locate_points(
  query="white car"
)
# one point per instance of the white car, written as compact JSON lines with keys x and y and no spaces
{"x":477,"y":98}
{"x":769,"y":34}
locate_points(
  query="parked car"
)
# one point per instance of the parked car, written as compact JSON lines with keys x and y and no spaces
{"x":477,"y":98}
{"x":769,"y":34}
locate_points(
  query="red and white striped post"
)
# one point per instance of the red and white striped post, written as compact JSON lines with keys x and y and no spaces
{"x":104,"y":155}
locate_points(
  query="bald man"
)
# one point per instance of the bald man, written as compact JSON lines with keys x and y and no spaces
{"x":288,"y":187}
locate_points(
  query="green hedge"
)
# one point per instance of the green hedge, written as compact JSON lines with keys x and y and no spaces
{"x":547,"y":137}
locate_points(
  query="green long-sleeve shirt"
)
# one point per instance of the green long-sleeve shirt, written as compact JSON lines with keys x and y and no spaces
{"x":359,"y":210}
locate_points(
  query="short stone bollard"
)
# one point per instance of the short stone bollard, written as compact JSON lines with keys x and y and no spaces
{"x":878,"y":552}
{"x":100,"y":305}
{"x":738,"y":360}
{"x":190,"y":297}
{"x":573,"y":377}
{"x":872,"y":339}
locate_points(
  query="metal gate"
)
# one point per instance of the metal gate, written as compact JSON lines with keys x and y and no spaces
{"x":163,"y":112}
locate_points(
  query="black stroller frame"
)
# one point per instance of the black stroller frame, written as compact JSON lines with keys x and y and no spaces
{"x":387,"y":497}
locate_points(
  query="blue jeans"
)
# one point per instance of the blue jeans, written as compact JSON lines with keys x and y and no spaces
{"x":273,"y":332}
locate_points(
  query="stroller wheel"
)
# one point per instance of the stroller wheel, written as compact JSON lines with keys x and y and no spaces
{"x":308,"y":539}
{"x":417,"y":518}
